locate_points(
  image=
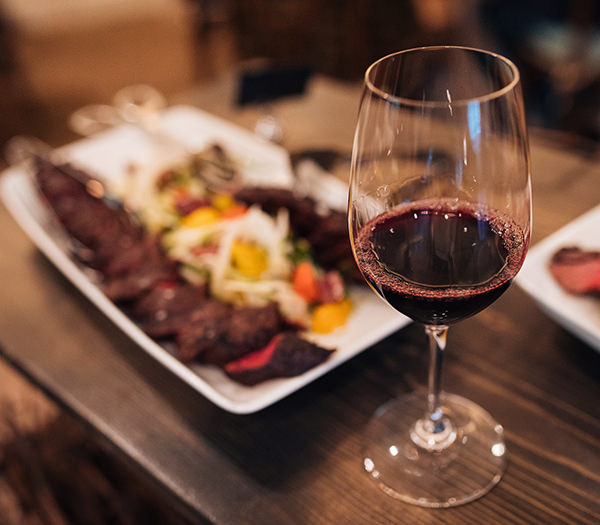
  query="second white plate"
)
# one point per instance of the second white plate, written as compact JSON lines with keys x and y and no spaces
{"x":579,"y":315}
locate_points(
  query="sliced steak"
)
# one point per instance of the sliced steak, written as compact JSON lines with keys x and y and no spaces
{"x":232,"y":336}
{"x":88,"y":219}
{"x":577,"y":270}
{"x":197,"y":319}
{"x":169,"y":298}
{"x":286,"y":355}
{"x":130,"y":286}
{"x":55,"y":184}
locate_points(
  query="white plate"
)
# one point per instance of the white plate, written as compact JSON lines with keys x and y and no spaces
{"x":579,"y":315}
{"x":108,"y":155}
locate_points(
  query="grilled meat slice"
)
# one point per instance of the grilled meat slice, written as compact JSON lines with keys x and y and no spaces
{"x":56,"y":184}
{"x":577,"y":270}
{"x":130,"y":286}
{"x":286,"y":355}
{"x":146,"y":251}
{"x":131,"y":276}
{"x":170,"y":306}
{"x":130,"y":262}
{"x":330,"y":242}
{"x":205,"y":312}
{"x":169,"y":298}
{"x":230,"y":336}
{"x":89,"y":219}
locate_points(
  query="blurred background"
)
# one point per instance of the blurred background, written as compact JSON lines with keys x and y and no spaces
{"x":58,"y":55}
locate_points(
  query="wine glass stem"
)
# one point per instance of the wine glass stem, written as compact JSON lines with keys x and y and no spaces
{"x":434,"y":431}
{"x":437,"y":345}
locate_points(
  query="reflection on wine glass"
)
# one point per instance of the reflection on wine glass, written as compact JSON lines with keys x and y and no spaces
{"x":440,"y":217}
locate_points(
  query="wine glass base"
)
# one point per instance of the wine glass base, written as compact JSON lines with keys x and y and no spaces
{"x":465,"y":470}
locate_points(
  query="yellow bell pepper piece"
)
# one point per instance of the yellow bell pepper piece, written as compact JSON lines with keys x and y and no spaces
{"x":200,"y":217}
{"x":327,"y":317}
{"x":250,"y":260}
{"x":223,"y":202}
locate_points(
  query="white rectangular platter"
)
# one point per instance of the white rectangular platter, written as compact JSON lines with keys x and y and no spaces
{"x":107,"y":156}
{"x":579,"y":315}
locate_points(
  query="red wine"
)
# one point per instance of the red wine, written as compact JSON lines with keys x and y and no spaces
{"x":438,"y":263}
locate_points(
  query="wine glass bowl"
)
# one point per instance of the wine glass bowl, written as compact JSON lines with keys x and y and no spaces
{"x":439,"y":217}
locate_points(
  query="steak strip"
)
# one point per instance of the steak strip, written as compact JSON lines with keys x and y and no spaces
{"x":577,"y":270}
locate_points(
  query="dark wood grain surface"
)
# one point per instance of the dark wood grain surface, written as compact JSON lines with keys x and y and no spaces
{"x":299,"y":461}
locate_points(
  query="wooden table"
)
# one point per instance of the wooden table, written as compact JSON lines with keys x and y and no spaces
{"x":299,"y":461}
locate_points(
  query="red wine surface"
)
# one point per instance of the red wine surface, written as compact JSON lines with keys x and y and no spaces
{"x":438,"y":262}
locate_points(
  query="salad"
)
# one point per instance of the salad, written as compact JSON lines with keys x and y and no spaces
{"x":244,"y":255}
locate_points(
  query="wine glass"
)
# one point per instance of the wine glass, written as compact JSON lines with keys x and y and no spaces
{"x":439,"y":215}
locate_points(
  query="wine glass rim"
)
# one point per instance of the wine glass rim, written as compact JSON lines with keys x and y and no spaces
{"x":443,"y":103}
